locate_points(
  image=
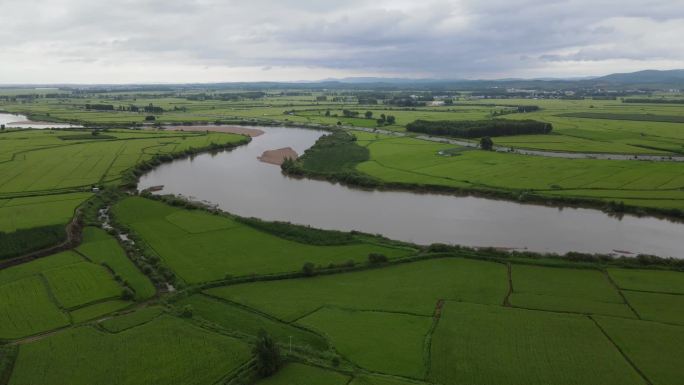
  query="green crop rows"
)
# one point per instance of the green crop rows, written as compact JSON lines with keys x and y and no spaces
{"x":183,"y":296}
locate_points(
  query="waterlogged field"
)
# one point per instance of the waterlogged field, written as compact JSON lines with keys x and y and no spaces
{"x":202,"y":247}
{"x":414,"y":161}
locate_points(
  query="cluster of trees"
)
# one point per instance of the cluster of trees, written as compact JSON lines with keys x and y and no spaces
{"x":479,"y":128}
{"x":382,"y":120}
{"x":377,"y":258}
{"x":516,"y":110}
{"x":300,"y":233}
{"x":406,"y":101}
{"x":386,"y":120}
{"x":228,"y":96}
{"x":25,"y":241}
{"x":100,"y":107}
{"x":487,"y":143}
{"x":150,"y":108}
{"x":523,"y":109}
{"x":267,"y":352}
{"x":350,"y":113}
{"x":31,"y":97}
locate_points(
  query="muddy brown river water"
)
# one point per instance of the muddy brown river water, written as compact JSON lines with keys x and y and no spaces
{"x":239,"y":183}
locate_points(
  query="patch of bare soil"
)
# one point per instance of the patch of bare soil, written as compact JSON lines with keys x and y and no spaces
{"x":278,"y":156}
{"x":229,"y":129}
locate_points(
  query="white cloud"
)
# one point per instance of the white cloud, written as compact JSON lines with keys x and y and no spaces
{"x":77,"y":41}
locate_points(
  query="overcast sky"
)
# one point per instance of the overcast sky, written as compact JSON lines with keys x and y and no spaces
{"x":171,"y":41}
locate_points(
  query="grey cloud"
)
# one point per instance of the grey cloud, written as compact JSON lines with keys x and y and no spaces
{"x":440,"y":38}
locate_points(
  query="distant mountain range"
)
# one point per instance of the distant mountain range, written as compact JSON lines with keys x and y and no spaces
{"x":645,"y":77}
{"x":648,"y":79}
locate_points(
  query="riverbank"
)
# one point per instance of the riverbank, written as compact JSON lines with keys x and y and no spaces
{"x":238,"y":183}
{"x":347,"y":173}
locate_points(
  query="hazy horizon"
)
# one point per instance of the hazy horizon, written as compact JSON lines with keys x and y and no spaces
{"x":204,"y":41}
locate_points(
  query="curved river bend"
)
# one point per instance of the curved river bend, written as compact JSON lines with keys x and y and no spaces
{"x":238,"y":183}
{"x":21,"y":121}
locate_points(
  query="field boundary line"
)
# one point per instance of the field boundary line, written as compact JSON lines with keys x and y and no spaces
{"x":350,"y":309}
{"x":624,"y":355}
{"x":301,"y":317}
{"x":53,"y":298}
{"x":427,"y":342}
{"x":12,"y":352}
{"x":651,"y":292}
{"x":244,"y":368}
{"x":262,"y":314}
{"x":97,"y":321}
{"x":567,"y":312}
{"x":617,"y":288}
{"x":109,"y":167}
{"x":39,"y":336}
{"x":91,"y":303}
{"x":123,"y":283}
{"x":507,"y":299}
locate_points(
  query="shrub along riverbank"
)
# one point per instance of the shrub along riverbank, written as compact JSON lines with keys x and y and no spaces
{"x":314,"y":236}
{"x":130,"y":178}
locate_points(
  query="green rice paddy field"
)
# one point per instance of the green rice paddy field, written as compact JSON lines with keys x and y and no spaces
{"x":91,"y":315}
{"x":409,"y":160}
{"x":592,"y":126}
{"x":69,"y":287}
{"x":202,"y":247}
{"x":442,"y":320}
{"x":179,"y":353}
{"x":30,"y":165}
{"x":579,"y":125}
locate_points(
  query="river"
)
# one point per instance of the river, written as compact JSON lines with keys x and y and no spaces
{"x":238,"y":183}
{"x":21,"y":121}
